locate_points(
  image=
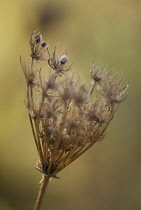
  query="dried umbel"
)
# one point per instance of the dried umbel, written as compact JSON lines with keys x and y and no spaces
{"x":66,"y":118}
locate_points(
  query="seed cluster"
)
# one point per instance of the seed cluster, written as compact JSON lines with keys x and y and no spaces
{"x":67,"y":118}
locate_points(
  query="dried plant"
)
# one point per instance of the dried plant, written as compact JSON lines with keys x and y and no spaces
{"x":66,"y":118}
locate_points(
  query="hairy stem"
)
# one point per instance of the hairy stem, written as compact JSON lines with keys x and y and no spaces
{"x":45,"y":181}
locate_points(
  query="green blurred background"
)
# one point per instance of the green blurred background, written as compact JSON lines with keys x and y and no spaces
{"x":108,"y":176}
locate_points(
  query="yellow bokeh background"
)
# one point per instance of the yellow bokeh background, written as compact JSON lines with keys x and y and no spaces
{"x":108,"y":32}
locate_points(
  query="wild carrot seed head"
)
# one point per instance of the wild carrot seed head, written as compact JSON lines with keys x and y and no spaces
{"x":65,"y":119}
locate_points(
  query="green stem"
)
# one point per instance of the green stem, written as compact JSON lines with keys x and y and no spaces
{"x":45,"y":181}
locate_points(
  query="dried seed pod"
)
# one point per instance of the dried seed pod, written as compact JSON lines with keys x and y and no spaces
{"x":63,"y":59}
{"x":38,"y":38}
{"x":44,"y":45}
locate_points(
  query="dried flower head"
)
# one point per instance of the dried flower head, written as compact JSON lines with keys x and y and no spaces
{"x":38,"y":47}
{"x":98,"y":74}
{"x":58,"y":63}
{"x":65,"y":119}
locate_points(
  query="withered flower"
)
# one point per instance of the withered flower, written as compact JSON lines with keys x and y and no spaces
{"x":66,"y":118}
{"x":38,"y":47}
{"x":99,"y":74}
{"x":58,"y":63}
{"x":114,"y":91}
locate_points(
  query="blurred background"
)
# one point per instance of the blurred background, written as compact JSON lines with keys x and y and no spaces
{"x":108,"y":176}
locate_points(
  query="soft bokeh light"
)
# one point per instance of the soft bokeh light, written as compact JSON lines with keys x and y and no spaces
{"x":105,"y":31}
